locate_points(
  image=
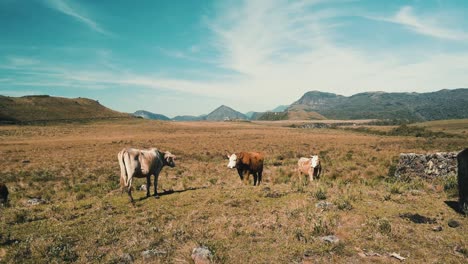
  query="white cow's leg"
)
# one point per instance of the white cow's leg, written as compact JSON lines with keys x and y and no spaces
{"x":148,"y":185}
{"x":130,"y":180}
{"x":156,"y":176}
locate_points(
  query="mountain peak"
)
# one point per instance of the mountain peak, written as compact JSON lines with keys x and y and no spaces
{"x":224,"y":112}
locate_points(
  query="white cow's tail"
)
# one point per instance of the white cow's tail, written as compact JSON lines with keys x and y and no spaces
{"x":123,"y":169}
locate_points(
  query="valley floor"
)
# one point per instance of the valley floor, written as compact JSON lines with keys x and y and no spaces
{"x":84,"y":218}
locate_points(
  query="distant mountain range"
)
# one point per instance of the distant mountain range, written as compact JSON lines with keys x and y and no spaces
{"x":313,"y":105}
{"x":443,"y":104}
{"x":149,"y":115}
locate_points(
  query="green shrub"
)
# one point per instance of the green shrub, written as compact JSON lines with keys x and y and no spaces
{"x":321,"y":194}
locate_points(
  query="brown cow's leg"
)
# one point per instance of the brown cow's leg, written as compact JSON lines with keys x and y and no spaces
{"x":259,"y":177}
{"x":241,"y":174}
{"x":255,"y":176}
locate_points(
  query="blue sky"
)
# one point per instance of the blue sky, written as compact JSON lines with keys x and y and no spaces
{"x":189,"y":57}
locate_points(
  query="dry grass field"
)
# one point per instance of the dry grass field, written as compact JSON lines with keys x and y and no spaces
{"x":86,"y":219}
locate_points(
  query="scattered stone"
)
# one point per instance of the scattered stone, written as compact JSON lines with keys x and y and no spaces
{"x":324,"y":205}
{"x":418,"y":219}
{"x":142,"y":188}
{"x":202,"y":255}
{"x":431,"y":166}
{"x":126,"y":259}
{"x":26,"y":161}
{"x":36,"y":201}
{"x":453,"y":223}
{"x":397,"y":256}
{"x":330,"y":239}
{"x":147,"y":254}
{"x":266,"y":189}
{"x":273,"y":195}
{"x":437,"y":228}
{"x":459,"y":250}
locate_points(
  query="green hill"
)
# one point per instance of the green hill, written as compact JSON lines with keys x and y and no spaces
{"x":444,"y":104}
{"x":49,"y":108}
{"x":150,"y":115}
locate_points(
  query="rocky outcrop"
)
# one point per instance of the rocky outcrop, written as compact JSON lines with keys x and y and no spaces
{"x":427,"y":165}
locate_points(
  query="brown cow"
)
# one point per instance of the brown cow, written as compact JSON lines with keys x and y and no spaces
{"x":142,"y":164}
{"x":309,"y":166}
{"x":3,"y":193}
{"x":247,"y":162}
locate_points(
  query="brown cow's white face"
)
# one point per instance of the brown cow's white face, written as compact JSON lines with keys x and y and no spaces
{"x":232,"y":161}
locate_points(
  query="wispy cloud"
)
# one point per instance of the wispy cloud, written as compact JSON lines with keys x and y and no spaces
{"x":66,"y":8}
{"x":21,"y":61}
{"x":424,"y":25}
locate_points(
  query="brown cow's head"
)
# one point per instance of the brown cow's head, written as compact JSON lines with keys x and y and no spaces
{"x":169,"y":159}
{"x":232,"y":160}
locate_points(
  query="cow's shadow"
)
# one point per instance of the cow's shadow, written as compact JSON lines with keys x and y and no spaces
{"x":169,"y":192}
{"x":454,"y":205}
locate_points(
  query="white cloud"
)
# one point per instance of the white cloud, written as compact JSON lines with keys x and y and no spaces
{"x":65,"y":8}
{"x":424,"y":25}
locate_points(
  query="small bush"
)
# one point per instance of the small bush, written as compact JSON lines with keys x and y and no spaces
{"x":344,"y":204}
{"x":320,"y":194}
{"x":321,"y":228}
{"x":451,"y":186}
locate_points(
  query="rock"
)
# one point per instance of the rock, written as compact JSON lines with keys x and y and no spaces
{"x":142,"y":188}
{"x":437,"y":228}
{"x":26,"y":161}
{"x":202,"y":255}
{"x":427,"y":165}
{"x":147,"y":254}
{"x":330,"y":239}
{"x":324,"y":205}
{"x":36,"y":201}
{"x":397,"y":256}
{"x":453,"y":223}
{"x":126,"y":259}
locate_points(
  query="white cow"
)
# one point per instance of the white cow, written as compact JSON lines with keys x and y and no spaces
{"x":309,"y":166}
{"x":140,"y":164}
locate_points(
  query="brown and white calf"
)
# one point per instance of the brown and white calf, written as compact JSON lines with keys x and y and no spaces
{"x":309,"y":166}
{"x":142,"y":163}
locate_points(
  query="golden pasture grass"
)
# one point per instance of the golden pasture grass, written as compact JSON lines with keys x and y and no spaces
{"x":86,"y":219}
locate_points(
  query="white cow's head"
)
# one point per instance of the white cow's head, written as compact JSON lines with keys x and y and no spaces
{"x":315,"y":161}
{"x":232,"y":161}
{"x":169,"y":159}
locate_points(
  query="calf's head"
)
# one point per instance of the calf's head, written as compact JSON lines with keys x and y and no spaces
{"x":169,"y":159}
{"x":315,"y":161}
